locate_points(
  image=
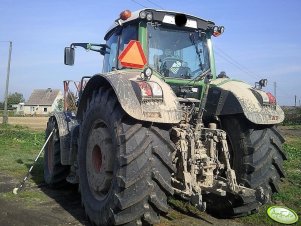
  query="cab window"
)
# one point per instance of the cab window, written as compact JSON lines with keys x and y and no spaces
{"x":124,"y":36}
{"x":129,"y":33}
{"x":110,"y":59}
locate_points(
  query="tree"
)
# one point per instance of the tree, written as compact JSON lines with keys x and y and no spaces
{"x":15,"y":98}
{"x":71,"y":102}
{"x":60,"y":105}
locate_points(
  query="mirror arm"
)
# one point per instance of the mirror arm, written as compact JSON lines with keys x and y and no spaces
{"x":102,"y":51}
{"x":83,"y":45}
{"x":89,"y":46}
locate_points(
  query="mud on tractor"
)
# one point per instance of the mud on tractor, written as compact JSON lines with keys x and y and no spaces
{"x":159,"y":121}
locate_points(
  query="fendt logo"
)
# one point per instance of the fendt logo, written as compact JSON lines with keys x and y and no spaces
{"x":282,"y":214}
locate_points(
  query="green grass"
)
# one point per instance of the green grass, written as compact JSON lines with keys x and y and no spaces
{"x":18,"y":149}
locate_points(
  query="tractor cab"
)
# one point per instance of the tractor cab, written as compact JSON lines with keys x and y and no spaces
{"x":176,"y":45}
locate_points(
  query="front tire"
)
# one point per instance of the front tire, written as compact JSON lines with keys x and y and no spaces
{"x":54,"y":172}
{"x":124,"y":165}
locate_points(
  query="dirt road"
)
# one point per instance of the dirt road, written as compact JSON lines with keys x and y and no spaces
{"x":63,"y":207}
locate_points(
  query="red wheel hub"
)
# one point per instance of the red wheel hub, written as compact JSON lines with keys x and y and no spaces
{"x":97,"y":158}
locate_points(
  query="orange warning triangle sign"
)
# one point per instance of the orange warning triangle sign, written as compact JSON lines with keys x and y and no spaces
{"x":132,"y":56}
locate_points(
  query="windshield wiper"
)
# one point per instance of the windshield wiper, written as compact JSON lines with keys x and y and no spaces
{"x":192,"y":39}
{"x":199,"y":77}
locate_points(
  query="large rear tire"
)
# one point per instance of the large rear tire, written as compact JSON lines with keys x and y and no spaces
{"x":54,"y":172}
{"x":257,"y":157}
{"x":124,"y":165}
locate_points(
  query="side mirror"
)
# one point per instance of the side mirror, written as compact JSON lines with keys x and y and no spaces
{"x":261,"y":83}
{"x":69,"y":54}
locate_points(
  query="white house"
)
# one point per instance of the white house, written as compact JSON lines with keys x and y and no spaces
{"x":19,"y":108}
{"x":42,"y":101}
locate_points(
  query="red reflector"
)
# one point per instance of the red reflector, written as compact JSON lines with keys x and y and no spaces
{"x":146,"y":89}
{"x":272,"y":99}
{"x":132,"y":56}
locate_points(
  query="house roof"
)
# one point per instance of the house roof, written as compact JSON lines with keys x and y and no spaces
{"x":42,"y":97}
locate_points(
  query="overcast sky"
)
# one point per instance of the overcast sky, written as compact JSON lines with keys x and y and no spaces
{"x":261,"y":39}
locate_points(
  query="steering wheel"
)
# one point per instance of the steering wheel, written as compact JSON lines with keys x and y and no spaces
{"x":170,"y":66}
{"x":173,"y":67}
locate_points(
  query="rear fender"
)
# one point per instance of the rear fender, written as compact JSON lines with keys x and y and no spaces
{"x":66,"y":123}
{"x":123,"y":83}
{"x":228,"y":97}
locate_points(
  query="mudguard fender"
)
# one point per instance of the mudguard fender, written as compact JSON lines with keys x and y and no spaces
{"x":66,"y":122}
{"x":228,"y":97}
{"x":166,"y":110}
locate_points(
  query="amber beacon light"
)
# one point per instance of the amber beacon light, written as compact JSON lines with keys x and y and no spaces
{"x":126,"y":14}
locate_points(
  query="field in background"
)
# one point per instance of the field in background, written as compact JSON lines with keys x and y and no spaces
{"x":35,"y":123}
{"x":292,"y":115}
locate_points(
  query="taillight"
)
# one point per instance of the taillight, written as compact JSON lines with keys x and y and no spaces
{"x":272,"y":99}
{"x":146,"y":89}
{"x":150,"y":89}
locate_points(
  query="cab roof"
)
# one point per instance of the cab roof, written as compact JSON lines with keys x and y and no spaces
{"x":163,"y":16}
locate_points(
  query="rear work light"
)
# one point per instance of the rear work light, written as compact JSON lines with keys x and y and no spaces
{"x":217,"y":31}
{"x":147,"y":15}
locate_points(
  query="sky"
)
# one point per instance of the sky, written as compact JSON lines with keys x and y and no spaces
{"x":262,"y":39}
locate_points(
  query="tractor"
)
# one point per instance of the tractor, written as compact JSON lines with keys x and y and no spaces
{"x":160,"y":122}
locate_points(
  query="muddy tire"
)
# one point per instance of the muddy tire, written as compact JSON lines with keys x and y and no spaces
{"x":54,"y":172}
{"x":257,"y":158}
{"x":124,"y":165}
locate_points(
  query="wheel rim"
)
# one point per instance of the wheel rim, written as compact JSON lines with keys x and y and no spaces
{"x":99,"y":160}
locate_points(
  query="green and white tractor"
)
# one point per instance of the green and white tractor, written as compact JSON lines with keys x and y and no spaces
{"x":159,"y":122}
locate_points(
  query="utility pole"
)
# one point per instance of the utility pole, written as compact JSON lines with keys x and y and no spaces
{"x":295,"y":100}
{"x":5,"y":114}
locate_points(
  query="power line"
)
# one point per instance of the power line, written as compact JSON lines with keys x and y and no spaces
{"x":245,"y":70}
{"x":139,"y":3}
{"x":236,"y":63}
{"x":244,"y":67}
{"x":155,"y":4}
